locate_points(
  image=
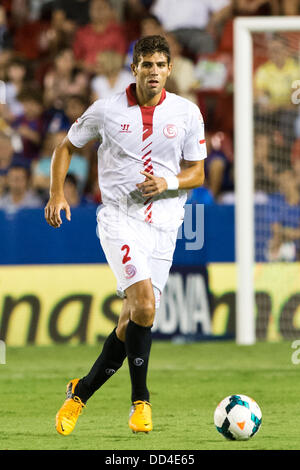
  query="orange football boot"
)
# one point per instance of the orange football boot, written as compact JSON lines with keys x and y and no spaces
{"x":68,"y":414}
{"x":140,"y":417}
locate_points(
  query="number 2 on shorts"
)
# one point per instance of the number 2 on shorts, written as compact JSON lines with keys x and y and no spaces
{"x":125,"y":257}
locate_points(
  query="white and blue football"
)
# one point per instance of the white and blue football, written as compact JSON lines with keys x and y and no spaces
{"x":238,"y":417}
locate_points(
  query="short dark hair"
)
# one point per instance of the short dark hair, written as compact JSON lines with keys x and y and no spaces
{"x":18,"y":165}
{"x":150,"y":45}
{"x":30,"y":94}
{"x":83,"y":100}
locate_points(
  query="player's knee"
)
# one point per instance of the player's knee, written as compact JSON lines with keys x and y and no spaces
{"x":143,"y":312}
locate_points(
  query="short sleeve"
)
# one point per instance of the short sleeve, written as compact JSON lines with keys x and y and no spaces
{"x":194,"y":148}
{"x":88,"y":126}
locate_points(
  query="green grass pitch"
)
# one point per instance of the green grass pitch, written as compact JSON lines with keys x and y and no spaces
{"x":186,"y":382}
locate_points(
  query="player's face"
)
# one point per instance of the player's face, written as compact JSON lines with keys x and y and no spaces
{"x":151,"y":73}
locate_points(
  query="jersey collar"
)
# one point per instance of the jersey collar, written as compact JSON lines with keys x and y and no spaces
{"x":131,"y":95}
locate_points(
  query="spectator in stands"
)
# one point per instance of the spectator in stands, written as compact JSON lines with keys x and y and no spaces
{"x":74,"y":107}
{"x":18,"y":76}
{"x":286,"y":7}
{"x":72,"y":192}
{"x":67,"y":16}
{"x":273,"y":87}
{"x":295,"y":161}
{"x":189,"y":22}
{"x":265,"y":174}
{"x":71,"y":13}
{"x":19,"y":193}
{"x":219,"y":185}
{"x":218,"y":167}
{"x":6,"y":43}
{"x":272,"y":157}
{"x":32,"y":37}
{"x":183,"y":70}
{"x":79,"y":166}
{"x":149,"y":26}
{"x":6,"y":153}
{"x":6,"y":40}
{"x":63,"y":80}
{"x":273,"y":79}
{"x":3,"y":182}
{"x":30,"y":125}
{"x":111,"y":76}
{"x":285,"y":220}
{"x":221,"y":23}
{"x":133,"y":12}
{"x":5,"y":57}
{"x":102,"y":33}
{"x":297,"y":126}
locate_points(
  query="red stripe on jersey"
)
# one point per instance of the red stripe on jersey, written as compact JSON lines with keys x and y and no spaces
{"x":148,"y":208}
{"x":149,"y":215}
{"x":149,"y":218}
{"x":149,"y":169}
{"x":202,"y":141}
{"x":146,"y":155}
{"x":146,"y":147}
{"x":147,"y":116}
{"x":147,"y":120}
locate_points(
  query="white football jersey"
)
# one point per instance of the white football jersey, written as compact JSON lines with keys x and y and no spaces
{"x":136,"y":138}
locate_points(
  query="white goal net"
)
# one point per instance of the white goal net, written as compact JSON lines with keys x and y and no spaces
{"x":267,"y":159}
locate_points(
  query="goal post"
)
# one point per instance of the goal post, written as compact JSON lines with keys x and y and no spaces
{"x":243,"y":164}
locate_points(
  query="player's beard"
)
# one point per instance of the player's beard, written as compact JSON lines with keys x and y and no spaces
{"x":152,"y":92}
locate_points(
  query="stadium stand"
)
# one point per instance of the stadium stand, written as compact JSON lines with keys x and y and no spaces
{"x":50,"y":62}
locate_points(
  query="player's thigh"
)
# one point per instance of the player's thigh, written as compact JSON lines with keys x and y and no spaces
{"x":161,"y":261}
{"x":127,"y":251}
{"x":160,"y":270}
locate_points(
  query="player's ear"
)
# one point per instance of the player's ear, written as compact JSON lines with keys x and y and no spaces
{"x":170,"y":66}
{"x":133,"y":69}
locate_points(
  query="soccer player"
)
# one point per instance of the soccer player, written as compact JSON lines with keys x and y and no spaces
{"x":151,"y":154}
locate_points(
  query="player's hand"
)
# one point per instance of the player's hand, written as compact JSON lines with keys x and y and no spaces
{"x":152,"y":186}
{"x":53,"y":208}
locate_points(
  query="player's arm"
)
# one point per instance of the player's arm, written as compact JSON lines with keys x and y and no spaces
{"x":83,"y":130}
{"x":60,"y":163}
{"x":191,"y":176}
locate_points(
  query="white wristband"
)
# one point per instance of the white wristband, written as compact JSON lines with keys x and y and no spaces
{"x":172,"y":183}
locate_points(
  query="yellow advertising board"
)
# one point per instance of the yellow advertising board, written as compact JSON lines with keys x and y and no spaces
{"x":277,"y":295}
{"x":73,"y":304}
{"x":65,"y":303}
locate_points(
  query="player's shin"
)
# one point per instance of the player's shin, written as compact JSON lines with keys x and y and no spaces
{"x":138,"y":342}
{"x":109,"y":361}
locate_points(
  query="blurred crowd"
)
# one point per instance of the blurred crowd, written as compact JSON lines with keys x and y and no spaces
{"x":58,"y":56}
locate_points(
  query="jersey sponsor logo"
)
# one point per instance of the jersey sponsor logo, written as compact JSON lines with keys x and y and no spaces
{"x":170,"y":131}
{"x":125,"y":128}
{"x":130,"y":271}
